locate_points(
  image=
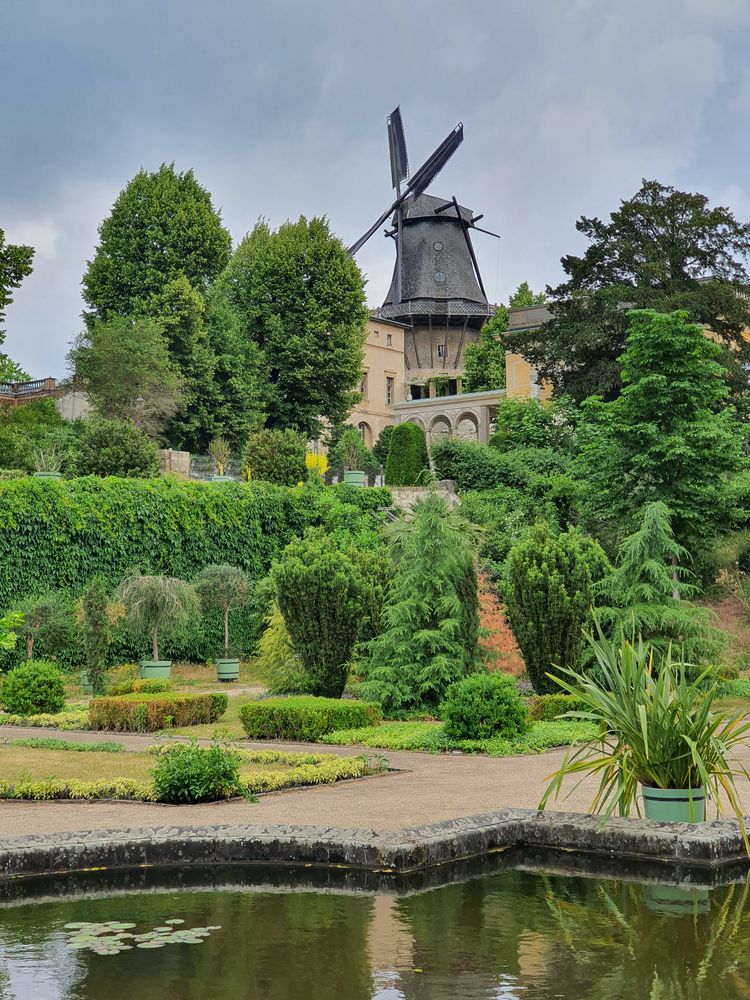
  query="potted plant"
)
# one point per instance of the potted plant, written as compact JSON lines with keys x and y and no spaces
{"x":219,"y":451}
{"x":658,"y":736}
{"x":153,"y":603}
{"x":48,"y":463}
{"x":224,"y":588}
{"x":350,"y":453}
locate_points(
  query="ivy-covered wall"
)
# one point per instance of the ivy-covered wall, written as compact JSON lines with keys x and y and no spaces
{"x":56,"y":535}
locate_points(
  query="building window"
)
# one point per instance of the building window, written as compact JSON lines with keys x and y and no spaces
{"x":390,"y":388}
{"x":389,"y":340}
{"x":363,"y":386}
{"x":441,"y":352}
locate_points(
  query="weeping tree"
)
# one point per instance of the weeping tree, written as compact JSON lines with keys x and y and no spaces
{"x":549,"y":590}
{"x":154,"y":603}
{"x":431,"y":616}
{"x":223,"y":588}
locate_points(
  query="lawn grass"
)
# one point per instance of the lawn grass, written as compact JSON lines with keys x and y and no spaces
{"x":429,"y":737}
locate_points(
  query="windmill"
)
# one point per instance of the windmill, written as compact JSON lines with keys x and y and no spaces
{"x":436,"y":284}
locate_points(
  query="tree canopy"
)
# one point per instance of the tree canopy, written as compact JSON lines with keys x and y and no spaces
{"x":300,"y":299}
{"x":662,"y":249}
{"x":484,"y":361}
{"x":15,"y":265}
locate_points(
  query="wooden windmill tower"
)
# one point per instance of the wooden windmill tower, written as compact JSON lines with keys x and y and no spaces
{"x":436,"y":288}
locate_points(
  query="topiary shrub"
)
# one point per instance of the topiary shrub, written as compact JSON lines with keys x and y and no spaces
{"x":407,"y":455}
{"x":484,"y":705}
{"x":305,"y":719}
{"x":548,"y":707}
{"x":113,"y":448}
{"x":276,"y":457}
{"x":188,"y":772}
{"x":33,"y":688}
{"x":145,"y":713}
{"x":318,"y":591}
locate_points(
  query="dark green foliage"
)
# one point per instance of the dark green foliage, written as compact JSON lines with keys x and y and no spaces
{"x":548,"y":707}
{"x":527,"y":423}
{"x":25,"y":429}
{"x":47,"y":620}
{"x":188,"y":772}
{"x":15,"y":265}
{"x":474,"y":466}
{"x":223,"y":588}
{"x":549,"y":588}
{"x":482,"y":706}
{"x":146,"y":713}
{"x":33,"y":688}
{"x":319,"y":594}
{"x":407,"y":456}
{"x":97,"y":628}
{"x":349,"y":452}
{"x":113,"y":448}
{"x":161,"y":226}
{"x":646,"y":594}
{"x":668,"y":437}
{"x":304,"y":719}
{"x":431,"y":617}
{"x":382,"y":445}
{"x":484,"y":362}
{"x":274,"y":456}
{"x":655,"y":252}
{"x":300,"y":300}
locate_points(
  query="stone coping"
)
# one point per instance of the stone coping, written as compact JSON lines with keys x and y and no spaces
{"x":690,"y":851}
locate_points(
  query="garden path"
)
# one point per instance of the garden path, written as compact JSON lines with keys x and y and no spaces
{"x":426,"y":788}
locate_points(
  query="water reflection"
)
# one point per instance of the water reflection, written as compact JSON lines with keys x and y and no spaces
{"x":513,"y":935}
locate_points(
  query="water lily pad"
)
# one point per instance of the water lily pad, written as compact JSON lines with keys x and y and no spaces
{"x":79,"y":925}
{"x":174,"y":920}
{"x":150,"y":944}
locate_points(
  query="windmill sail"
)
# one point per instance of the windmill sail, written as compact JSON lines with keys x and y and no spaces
{"x":397,"y":149}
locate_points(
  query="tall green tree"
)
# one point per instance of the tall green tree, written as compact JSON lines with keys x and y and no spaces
{"x":484,"y":361}
{"x":300,"y":298}
{"x":662,"y":249}
{"x":523,"y":297}
{"x":161,"y":226}
{"x":669,"y":436}
{"x":15,"y":265}
{"x":124,"y":367}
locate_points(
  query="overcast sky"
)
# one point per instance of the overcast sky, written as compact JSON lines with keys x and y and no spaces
{"x":280,"y":108}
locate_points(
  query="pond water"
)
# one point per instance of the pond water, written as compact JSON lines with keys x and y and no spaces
{"x":515,"y":934}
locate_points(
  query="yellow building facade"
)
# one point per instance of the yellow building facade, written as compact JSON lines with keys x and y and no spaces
{"x":382,"y":382}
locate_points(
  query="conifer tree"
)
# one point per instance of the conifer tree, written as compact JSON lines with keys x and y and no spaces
{"x":407,"y":455}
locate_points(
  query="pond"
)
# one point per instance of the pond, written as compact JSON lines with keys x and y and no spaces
{"x":514,"y":934}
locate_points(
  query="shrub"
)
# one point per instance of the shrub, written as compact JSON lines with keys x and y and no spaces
{"x":547,"y":707}
{"x":146,"y":713}
{"x":407,"y":455}
{"x":524,"y":423}
{"x":113,"y":448}
{"x":276,"y":457}
{"x":549,"y":589}
{"x":187,"y":772}
{"x":12,"y":473}
{"x":482,"y":706}
{"x":97,"y":616}
{"x":382,"y":445}
{"x":223,"y":588}
{"x":120,"y":679}
{"x":34,"y":687}
{"x":350,"y":452}
{"x":431,"y":616}
{"x":319,"y":594}
{"x":474,"y":466}
{"x":155,"y":602}
{"x":305,"y":719}
{"x":150,"y":685}
{"x":47,"y":619}
{"x":276,"y":659}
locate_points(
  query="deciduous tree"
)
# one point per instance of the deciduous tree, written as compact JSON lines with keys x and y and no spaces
{"x":15,"y":265}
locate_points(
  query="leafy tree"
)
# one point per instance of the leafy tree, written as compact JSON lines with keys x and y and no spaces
{"x":24,"y":430}
{"x":223,"y":588}
{"x":9,"y":626}
{"x":523,"y":423}
{"x":162,"y":226}
{"x":431,"y":616}
{"x":276,"y":457}
{"x":113,"y":448}
{"x":97,"y":617}
{"x":350,"y":452}
{"x":484,"y":361}
{"x":407,"y":455}
{"x":300,"y":299}
{"x":549,"y":588}
{"x":645,"y":595}
{"x":318,"y":592}
{"x":156,"y":602}
{"x":124,"y":367}
{"x":523,"y":297}
{"x":383,"y":443}
{"x":15,"y":265}
{"x":663,"y":249}
{"x":669,"y":436}
{"x":46,"y":620}
{"x":10,"y":371}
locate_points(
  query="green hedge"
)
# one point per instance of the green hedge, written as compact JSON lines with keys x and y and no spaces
{"x":58,"y":534}
{"x":548,"y":707}
{"x":145,"y":713}
{"x":305,"y":718}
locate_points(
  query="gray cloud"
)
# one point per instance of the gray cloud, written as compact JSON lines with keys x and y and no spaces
{"x":280,"y":107}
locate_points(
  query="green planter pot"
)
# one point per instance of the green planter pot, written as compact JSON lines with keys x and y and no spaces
{"x":222,"y":479}
{"x":353,"y":478}
{"x":227,"y":670}
{"x":676,"y":901}
{"x":673,"y":805}
{"x":156,"y":668}
{"x":48,"y":475}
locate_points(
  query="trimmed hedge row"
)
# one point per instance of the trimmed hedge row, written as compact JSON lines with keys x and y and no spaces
{"x":548,"y":707}
{"x":145,"y":713}
{"x":305,"y":719}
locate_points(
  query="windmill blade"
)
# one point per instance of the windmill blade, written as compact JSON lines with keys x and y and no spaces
{"x":397,"y":149}
{"x":435,"y":163}
{"x":376,"y":225}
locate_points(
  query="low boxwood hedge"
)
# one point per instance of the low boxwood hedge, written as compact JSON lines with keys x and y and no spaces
{"x":548,"y":707}
{"x":145,"y":713}
{"x":305,"y":718}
